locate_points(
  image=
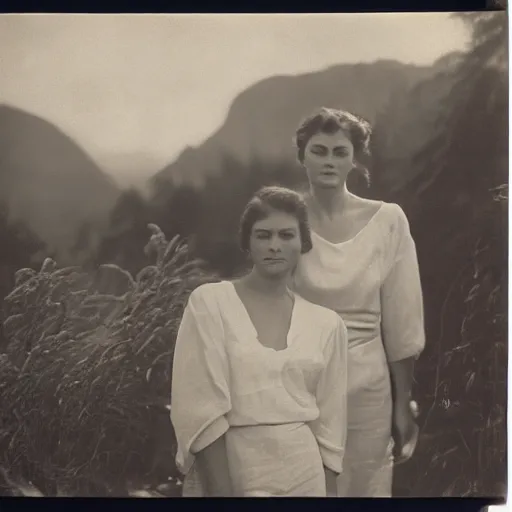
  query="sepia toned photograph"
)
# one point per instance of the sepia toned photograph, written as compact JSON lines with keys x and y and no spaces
{"x":259,"y":255}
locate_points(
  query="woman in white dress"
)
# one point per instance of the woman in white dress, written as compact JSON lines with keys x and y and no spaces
{"x":259,"y":374}
{"x":363,"y":265}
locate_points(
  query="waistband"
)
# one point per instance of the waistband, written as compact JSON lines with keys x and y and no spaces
{"x":362,"y":326}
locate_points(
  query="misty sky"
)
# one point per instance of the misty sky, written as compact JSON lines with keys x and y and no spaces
{"x":126,"y":88}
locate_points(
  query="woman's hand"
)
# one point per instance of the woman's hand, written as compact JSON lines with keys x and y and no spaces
{"x":405,"y":431}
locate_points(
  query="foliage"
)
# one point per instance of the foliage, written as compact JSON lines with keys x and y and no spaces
{"x":457,"y":203}
{"x":462,"y":377}
{"x":123,"y":241}
{"x":85,"y":377}
{"x":20,"y":247}
{"x":479,"y":92}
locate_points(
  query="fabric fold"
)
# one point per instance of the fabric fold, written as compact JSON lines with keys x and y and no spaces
{"x":200,"y":396}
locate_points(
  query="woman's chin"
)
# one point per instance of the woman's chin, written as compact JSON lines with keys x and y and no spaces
{"x":275,"y":272}
{"x":329,"y":182}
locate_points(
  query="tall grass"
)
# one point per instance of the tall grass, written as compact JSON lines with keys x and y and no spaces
{"x":84,"y":381}
{"x":462,"y":378}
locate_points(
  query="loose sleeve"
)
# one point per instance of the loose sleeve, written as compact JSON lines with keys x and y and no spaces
{"x":330,"y":428}
{"x":200,"y":397}
{"x":401,"y":296}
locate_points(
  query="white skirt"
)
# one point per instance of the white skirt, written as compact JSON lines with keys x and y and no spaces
{"x":368,"y":461}
{"x":270,"y":460}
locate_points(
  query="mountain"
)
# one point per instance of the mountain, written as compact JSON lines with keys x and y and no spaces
{"x":48,"y":181}
{"x":262,"y":119}
{"x":407,"y":122}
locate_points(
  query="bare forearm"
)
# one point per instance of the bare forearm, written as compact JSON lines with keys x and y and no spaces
{"x":213,"y":467}
{"x":402,"y":374}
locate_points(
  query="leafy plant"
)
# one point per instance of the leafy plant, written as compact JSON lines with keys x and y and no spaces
{"x":85,"y":377}
{"x":457,"y":203}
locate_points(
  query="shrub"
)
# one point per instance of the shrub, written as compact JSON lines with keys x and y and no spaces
{"x":84,"y":384}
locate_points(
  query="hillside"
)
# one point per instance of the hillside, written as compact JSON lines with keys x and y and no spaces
{"x":48,"y":181}
{"x":407,"y":121}
{"x":262,"y":119}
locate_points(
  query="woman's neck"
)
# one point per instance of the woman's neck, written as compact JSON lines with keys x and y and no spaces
{"x":272,"y":286}
{"x":329,"y":201}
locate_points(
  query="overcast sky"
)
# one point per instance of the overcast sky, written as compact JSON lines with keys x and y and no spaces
{"x":127,"y":87}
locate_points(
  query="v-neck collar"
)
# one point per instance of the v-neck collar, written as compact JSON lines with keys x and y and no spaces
{"x":245,"y":314}
{"x":351,"y":240}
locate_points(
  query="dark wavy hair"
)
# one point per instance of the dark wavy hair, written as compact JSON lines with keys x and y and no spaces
{"x":275,"y":199}
{"x":330,"y":120}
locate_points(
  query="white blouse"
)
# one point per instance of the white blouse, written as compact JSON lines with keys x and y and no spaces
{"x":373,"y":282}
{"x":223,"y":376}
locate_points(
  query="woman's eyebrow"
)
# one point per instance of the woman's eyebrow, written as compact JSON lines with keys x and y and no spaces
{"x":322,"y":146}
{"x":283,"y":230}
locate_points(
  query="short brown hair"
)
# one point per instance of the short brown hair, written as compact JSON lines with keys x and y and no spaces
{"x":271,"y":199}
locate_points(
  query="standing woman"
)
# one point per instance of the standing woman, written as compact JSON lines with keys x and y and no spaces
{"x":363,"y":265}
{"x":259,"y":375}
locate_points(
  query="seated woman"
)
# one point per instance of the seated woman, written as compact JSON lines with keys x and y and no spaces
{"x":259,"y":377}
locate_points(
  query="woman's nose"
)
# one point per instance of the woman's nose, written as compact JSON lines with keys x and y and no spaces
{"x":275,"y":244}
{"x":328,"y":161}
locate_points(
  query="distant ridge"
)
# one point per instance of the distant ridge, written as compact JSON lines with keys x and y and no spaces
{"x":262,"y":119}
{"x":48,"y":181}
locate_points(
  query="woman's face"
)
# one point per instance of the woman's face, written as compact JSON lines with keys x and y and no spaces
{"x":275,"y":244}
{"x":328,"y":159}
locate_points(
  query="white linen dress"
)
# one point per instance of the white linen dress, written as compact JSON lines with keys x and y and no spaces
{"x":372,"y":281}
{"x":283,"y":412}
